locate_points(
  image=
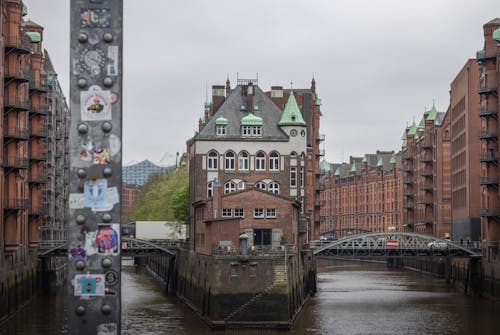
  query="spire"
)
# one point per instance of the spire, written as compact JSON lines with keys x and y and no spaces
{"x":291,"y":114}
{"x":379,"y":162}
{"x":228,"y":86}
{"x":354,"y":168}
{"x":313,"y":85}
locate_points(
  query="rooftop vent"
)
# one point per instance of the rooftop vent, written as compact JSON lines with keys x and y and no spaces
{"x":243,"y":108}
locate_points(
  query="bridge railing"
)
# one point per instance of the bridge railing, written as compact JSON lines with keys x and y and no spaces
{"x":255,"y":250}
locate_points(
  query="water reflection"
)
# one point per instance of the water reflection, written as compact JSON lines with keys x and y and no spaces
{"x":353,"y":298}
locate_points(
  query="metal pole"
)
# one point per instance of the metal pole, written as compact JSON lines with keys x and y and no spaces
{"x":95,"y":137}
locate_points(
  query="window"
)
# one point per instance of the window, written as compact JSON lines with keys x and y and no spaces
{"x":243,"y":161}
{"x":241,"y":185}
{"x":301,"y":177}
{"x":253,"y":131}
{"x":271,"y":212}
{"x":293,"y":177}
{"x":274,"y":187}
{"x":261,"y":185}
{"x":239,"y":213}
{"x":260,"y":161}
{"x":229,"y":161}
{"x":229,"y":187}
{"x":302,"y":159}
{"x":213,"y":159}
{"x":227,"y":212}
{"x":256,"y":130}
{"x":210,"y":189}
{"x":258,"y":213}
{"x":274,"y":159}
{"x":245,"y":130}
{"x":220,"y":130}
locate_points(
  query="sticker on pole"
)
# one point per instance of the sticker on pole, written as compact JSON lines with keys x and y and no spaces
{"x":95,"y":104}
{"x":89,"y":285}
{"x":392,"y":244}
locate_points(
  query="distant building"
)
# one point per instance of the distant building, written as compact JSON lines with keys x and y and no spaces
{"x":130,"y":193}
{"x":138,"y":174}
{"x":362,"y":195}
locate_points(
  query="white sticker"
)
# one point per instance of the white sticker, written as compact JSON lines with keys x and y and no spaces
{"x":76,"y":201}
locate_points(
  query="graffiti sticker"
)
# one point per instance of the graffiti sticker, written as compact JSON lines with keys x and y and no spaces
{"x":89,"y":285}
{"x":95,"y":18}
{"x":94,"y":192}
{"x":86,"y":147}
{"x":95,"y":104}
{"x":77,"y":253}
{"x":102,"y":156}
{"x":76,"y":201}
{"x":108,"y":239}
{"x":113,"y":60}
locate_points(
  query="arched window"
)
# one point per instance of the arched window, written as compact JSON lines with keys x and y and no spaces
{"x":210,"y":189}
{"x":229,"y":161}
{"x":274,"y":187}
{"x":260,"y":161}
{"x":274,"y":161}
{"x":302,"y":159}
{"x":241,"y":185}
{"x":261,"y":185}
{"x":243,"y":161}
{"x":229,"y":187}
{"x":213,"y":159}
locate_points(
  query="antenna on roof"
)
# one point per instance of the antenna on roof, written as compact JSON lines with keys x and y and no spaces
{"x":206,"y":90}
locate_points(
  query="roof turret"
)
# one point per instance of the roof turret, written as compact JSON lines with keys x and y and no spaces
{"x":354,"y":168}
{"x":337,"y":172}
{"x":379,"y":162}
{"x":432,"y":114}
{"x":393,"y":160}
{"x":291,"y":114}
{"x":413,"y":129}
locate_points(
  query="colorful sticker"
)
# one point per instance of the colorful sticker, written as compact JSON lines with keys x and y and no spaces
{"x":94,"y":192}
{"x":101,"y":156}
{"x":114,"y":97}
{"x":94,"y":39}
{"x":95,"y":17}
{"x":107,"y":329}
{"x":92,"y":61}
{"x":95,"y":104}
{"x":76,"y":201}
{"x":86,"y":147}
{"x":113,"y":60}
{"x":108,"y":239}
{"x":89,"y":285}
{"x":77,"y":253}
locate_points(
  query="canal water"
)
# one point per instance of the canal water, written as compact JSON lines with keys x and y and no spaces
{"x":353,"y":298}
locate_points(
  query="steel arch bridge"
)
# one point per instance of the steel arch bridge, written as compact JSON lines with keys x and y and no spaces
{"x":344,"y":231}
{"x":129,"y":247}
{"x":393,"y":244}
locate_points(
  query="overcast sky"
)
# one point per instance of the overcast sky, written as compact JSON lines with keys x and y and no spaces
{"x":377,"y":63}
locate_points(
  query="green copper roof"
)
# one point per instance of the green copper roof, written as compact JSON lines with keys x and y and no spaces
{"x":25,"y":10}
{"x":496,"y":35}
{"x":337,"y":172}
{"x":221,"y":121}
{"x":403,"y":145}
{"x":207,"y":104}
{"x":421,"y":125}
{"x":393,"y":160}
{"x":354,"y":169}
{"x":34,"y":36}
{"x":251,"y":120}
{"x":413,"y":129}
{"x":291,"y":114}
{"x":379,"y":162}
{"x":364,"y":160}
{"x":317,"y":101}
{"x":403,"y":137}
{"x":432,"y":114}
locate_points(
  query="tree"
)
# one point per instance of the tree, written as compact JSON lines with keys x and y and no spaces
{"x":180,"y":204}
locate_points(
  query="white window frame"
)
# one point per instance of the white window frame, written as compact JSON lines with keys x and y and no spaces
{"x":239,"y":213}
{"x":261,"y":185}
{"x":274,"y":161}
{"x":227,"y":212}
{"x":271,"y":213}
{"x":220,"y":130}
{"x":243,"y":161}
{"x":258,"y":213}
{"x":210,"y":189}
{"x":293,"y":177}
{"x":260,"y":161}
{"x":229,"y":187}
{"x":230,"y":161}
{"x":273,"y":187}
{"x":302,"y":177}
{"x":213,"y":161}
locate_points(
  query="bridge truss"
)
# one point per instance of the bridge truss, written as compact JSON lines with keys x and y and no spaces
{"x":394,"y":244}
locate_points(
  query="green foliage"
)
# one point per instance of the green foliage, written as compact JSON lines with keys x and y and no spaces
{"x":156,"y":202}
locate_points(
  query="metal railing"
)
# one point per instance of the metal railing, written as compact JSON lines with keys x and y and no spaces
{"x":17,"y":71}
{"x":255,"y":250}
{"x":21,"y":42}
{"x":16,"y":161}
{"x":16,"y":132}
{"x":487,"y":111}
{"x":17,"y":102}
{"x":15,"y":203}
{"x":488,"y":180}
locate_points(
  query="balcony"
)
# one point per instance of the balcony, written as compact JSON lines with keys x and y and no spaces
{"x":407,"y":169}
{"x":38,"y":86}
{"x":488,"y":134}
{"x":487,"y":89}
{"x":39,"y":155}
{"x":41,"y":109}
{"x":482,"y":55}
{"x":408,"y":206}
{"x":20,"y":133}
{"x":39,"y":131}
{"x":321,"y":138}
{"x":321,"y":152}
{"x":426,"y":202}
{"x":489,"y":158}
{"x":426,"y":145}
{"x":19,"y":43}
{"x":488,"y":181}
{"x":490,"y":212}
{"x":37,"y":210}
{"x":426,"y":222}
{"x":16,"y":73}
{"x":428,"y":188}
{"x":408,"y":194}
{"x":37,"y":178}
{"x":426,"y":173}
{"x":16,"y":103}
{"x":407,"y":156}
{"x":427,"y":160}
{"x":16,"y":162}
{"x":407,"y":180}
{"x":407,"y":224}
{"x":15,"y":204}
{"x":488,"y":112}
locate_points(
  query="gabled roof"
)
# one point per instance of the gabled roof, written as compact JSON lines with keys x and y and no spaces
{"x":291,"y":114}
{"x":413,"y":129}
{"x":31,"y":24}
{"x":495,"y":21}
{"x":432,"y":114}
{"x":232,"y":110}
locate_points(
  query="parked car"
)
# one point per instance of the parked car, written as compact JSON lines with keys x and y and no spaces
{"x":439,"y":245}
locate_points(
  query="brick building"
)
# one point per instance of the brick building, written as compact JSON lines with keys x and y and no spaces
{"x":254,"y":167}
{"x":130,"y":193}
{"x":465,"y":148}
{"x":489,"y":103}
{"x":33,"y":176}
{"x":362,"y":195}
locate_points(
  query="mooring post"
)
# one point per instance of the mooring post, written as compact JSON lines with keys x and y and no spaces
{"x":95,"y":138}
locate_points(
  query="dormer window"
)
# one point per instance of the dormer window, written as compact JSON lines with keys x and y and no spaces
{"x":221,"y":130}
{"x":251,"y":126}
{"x":221,"y":126}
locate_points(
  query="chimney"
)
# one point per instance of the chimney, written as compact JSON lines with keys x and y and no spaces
{"x":218,"y":97}
{"x":228,"y":87}
{"x":277,"y":95}
{"x":217,"y":199}
{"x":250,"y":96}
